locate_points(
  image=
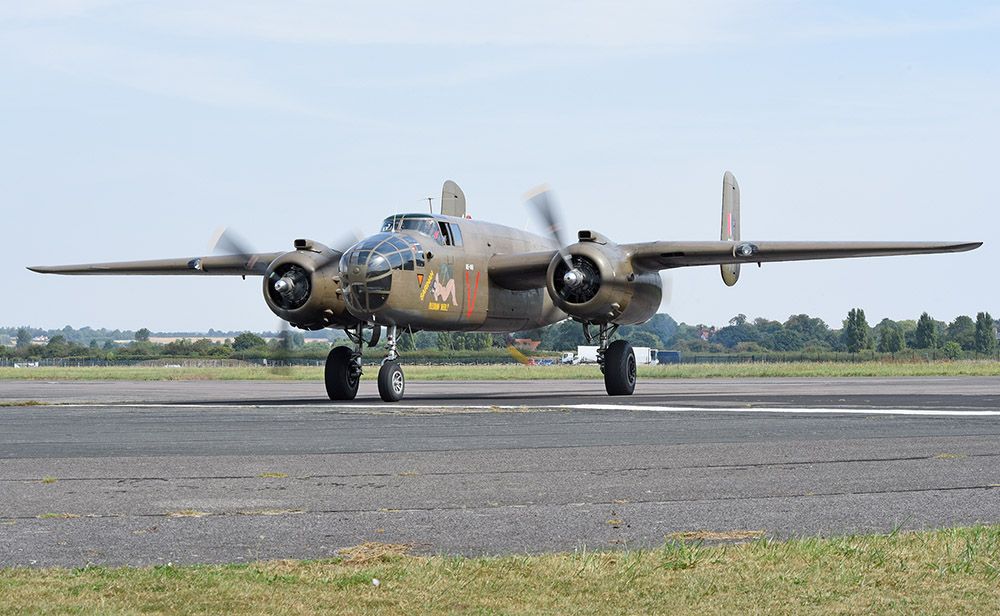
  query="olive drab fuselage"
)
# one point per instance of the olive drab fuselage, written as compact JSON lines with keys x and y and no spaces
{"x":431,"y":272}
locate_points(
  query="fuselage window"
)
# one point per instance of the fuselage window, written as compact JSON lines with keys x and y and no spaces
{"x":456,"y":234}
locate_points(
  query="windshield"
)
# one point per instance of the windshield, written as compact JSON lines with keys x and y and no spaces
{"x":413,"y":222}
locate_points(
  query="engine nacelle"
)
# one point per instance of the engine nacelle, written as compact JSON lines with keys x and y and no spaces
{"x":303,"y":288}
{"x":601,"y":286}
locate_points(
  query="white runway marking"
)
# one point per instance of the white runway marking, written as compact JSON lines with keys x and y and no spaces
{"x":561,"y":407}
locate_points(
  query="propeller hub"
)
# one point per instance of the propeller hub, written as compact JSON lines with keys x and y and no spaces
{"x":285,"y":286}
{"x":573,"y":278}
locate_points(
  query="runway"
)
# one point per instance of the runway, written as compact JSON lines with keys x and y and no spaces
{"x":214,"y":471}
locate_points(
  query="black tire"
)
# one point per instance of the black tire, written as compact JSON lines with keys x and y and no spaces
{"x":391,"y":382}
{"x":619,"y":369}
{"x":341,"y":382}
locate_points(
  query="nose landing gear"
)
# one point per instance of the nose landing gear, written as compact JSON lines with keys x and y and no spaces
{"x":343,"y":367}
{"x":391,"y":382}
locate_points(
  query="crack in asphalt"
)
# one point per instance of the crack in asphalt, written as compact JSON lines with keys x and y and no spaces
{"x":488,"y":507}
{"x":411,"y":474}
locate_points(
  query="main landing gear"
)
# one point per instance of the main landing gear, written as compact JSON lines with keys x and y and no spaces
{"x":343,"y":367}
{"x":617,"y":360}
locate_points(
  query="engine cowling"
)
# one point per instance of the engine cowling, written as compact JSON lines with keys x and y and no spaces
{"x":600,"y":285}
{"x":303,"y":288}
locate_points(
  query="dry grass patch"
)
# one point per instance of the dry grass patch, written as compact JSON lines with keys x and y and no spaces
{"x":271,"y":512}
{"x":187,"y":513}
{"x":373,"y":552}
{"x":709,"y":535}
{"x":272,"y":475}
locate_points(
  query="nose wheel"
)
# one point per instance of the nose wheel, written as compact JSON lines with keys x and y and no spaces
{"x":391,"y":382}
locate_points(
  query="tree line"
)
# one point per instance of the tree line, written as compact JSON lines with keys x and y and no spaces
{"x":799,"y":333}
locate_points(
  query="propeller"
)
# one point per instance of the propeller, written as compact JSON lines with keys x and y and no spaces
{"x":543,"y":205}
{"x":292,"y":286}
{"x":579,"y":277}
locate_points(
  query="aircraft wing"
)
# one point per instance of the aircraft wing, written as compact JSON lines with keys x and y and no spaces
{"x":220,"y":265}
{"x":652,"y":256}
{"x":521,"y":271}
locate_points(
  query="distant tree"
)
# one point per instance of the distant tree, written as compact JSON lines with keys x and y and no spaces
{"x":890,"y":338}
{"x":812,"y":331}
{"x":951,"y":350}
{"x":986,"y":334}
{"x":738,"y":332}
{"x":738,"y":320}
{"x":142,"y":335}
{"x":478,"y":342}
{"x":926,"y":334}
{"x":445,"y":342}
{"x":645,"y":339}
{"x":962,"y":331}
{"x":407,"y":342}
{"x":663,"y":325}
{"x":564,"y":336}
{"x":23,"y":338}
{"x":247,"y":341}
{"x":856,"y":332}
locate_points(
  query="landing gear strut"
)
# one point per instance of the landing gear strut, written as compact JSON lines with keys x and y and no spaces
{"x":617,"y":360}
{"x":391,"y":382}
{"x":343,"y":365}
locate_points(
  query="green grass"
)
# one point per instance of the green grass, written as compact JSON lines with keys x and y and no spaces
{"x":937,"y":572}
{"x":514,"y":372}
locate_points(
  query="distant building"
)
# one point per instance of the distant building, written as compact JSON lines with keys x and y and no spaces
{"x":526,"y":344}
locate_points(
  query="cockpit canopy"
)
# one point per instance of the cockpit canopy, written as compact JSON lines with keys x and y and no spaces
{"x":441,"y":231}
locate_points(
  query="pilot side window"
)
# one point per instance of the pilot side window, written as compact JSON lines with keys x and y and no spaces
{"x":450,"y":233}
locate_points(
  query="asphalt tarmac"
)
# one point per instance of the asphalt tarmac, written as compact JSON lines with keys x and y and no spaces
{"x":153,"y":472}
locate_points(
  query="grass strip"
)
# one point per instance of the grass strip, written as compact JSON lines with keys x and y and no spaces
{"x":514,"y":372}
{"x":954,"y":571}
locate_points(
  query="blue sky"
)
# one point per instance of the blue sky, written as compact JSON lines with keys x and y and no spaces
{"x":135,"y":129}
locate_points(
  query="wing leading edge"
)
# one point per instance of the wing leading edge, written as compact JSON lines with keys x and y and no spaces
{"x":527,"y":270}
{"x":220,"y":265}
{"x":652,"y":256}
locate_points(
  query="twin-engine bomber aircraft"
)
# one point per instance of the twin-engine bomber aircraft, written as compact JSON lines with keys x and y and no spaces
{"x":450,"y":273}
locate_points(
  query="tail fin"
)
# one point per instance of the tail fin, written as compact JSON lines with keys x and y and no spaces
{"x":452,"y":200}
{"x":730,"y":224}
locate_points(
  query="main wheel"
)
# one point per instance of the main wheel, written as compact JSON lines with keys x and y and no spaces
{"x":340,"y":376}
{"x":391,"y":383}
{"x":619,"y":369}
